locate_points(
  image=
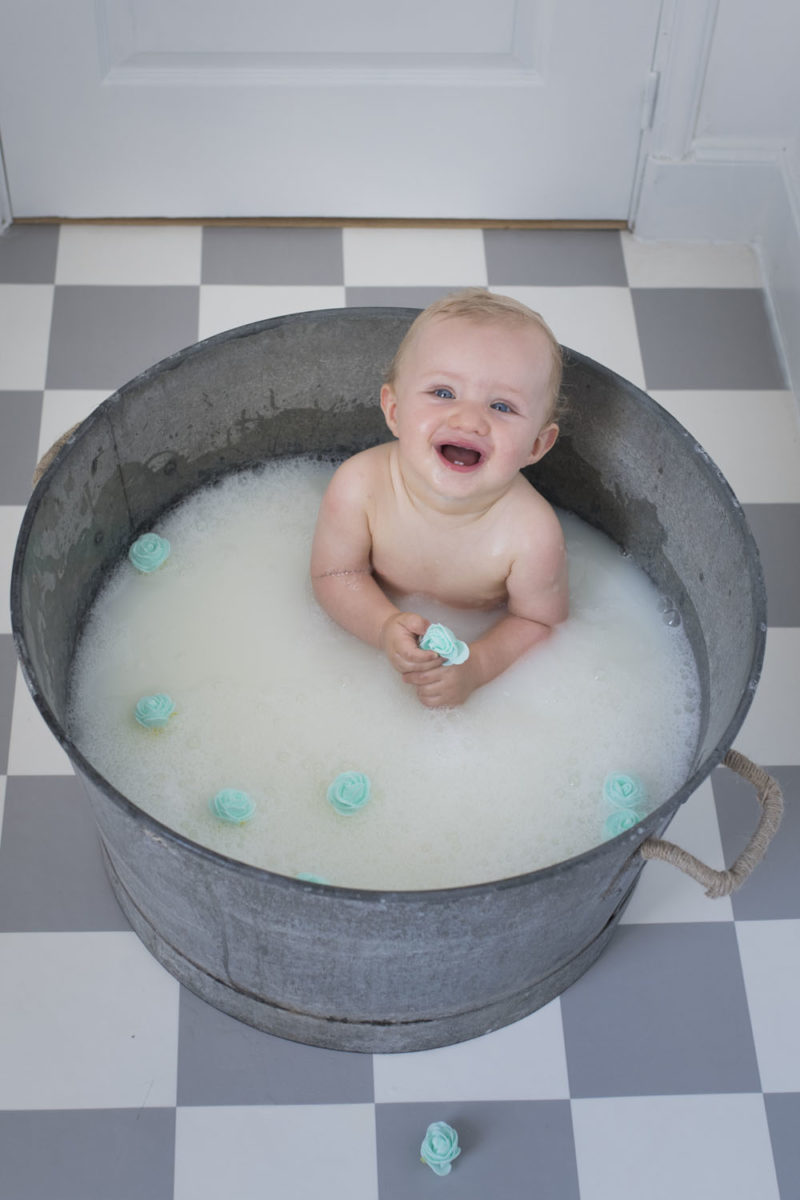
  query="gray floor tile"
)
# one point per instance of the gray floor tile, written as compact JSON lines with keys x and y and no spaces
{"x":554,"y":258}
{"x":87,"y":1154}
{"x":772,"y":892}
{"x":28,"y":254}
{"x":509,"y":1149}
{"x":395,"y":297}
{"x":662,"y":1012}
{"x":51,"y":871}
{"x":20,"y":418}
{"x":783,"y":1117}
{"x":8,"y":680}
{"x":103,"y":336}
{"x":222,"y":1061}
{"x":713,"y":338}
{"x":272,"y":256}
{"x":776,"y":528}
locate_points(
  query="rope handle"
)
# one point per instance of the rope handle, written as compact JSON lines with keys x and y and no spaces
{"x":49,"y":455}
{"x":722,"y":883}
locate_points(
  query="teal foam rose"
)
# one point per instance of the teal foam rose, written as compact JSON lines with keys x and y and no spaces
{"x":149,"y":552}
{"x":232,"y":806}
{"x":349,"y":792}
{"x":445,"y":643}
{"x":620,"y":820}
{"x":439,"y":1147}
{"x":153,"y":712}
{"x":623,"y":791}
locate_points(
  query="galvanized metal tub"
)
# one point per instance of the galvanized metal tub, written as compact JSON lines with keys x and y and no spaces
{"x":347,"y":969}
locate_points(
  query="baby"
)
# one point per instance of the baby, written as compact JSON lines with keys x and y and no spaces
{"x":444,"y":511}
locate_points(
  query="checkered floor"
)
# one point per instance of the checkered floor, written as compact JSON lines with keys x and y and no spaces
{"x":673,"y":1067}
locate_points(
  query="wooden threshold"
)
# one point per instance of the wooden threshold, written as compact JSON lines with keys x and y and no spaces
{"x":332,"y":222}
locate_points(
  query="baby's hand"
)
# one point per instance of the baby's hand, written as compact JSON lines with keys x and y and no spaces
{"x":439,"y":686}
{"x":400,"y":645}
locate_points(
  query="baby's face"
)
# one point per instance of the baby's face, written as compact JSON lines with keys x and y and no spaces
{"x":470,"y":405}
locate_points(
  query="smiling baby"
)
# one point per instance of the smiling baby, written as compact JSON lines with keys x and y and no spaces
{"x":443,"y":510}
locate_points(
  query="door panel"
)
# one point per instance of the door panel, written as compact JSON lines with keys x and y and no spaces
{"x":458,"y":108}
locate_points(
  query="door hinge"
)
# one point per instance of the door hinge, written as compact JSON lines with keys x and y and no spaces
{"x":649,"y":98}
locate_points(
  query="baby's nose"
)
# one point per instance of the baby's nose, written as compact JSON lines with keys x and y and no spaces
{"x":469,"y":418}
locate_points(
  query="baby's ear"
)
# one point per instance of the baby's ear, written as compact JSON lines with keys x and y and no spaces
{"x":389,"y":407}
{"x":545,"y":441}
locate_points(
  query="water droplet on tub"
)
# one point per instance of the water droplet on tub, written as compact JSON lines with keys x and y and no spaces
{"x":672,"y":618}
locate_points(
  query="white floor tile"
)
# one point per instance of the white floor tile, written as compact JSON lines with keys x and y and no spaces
{"x":63,"y":409}
{"x":664,"y":1147}
{"x":224,"y":306}
{"x":299,"y":1152}
{"x":130,"y":255}
{"x":446,"y":258}
{"x":665,"y":894}
{"x":33,"y":749}
{"x":770,"y":733}
{"x":524,"y":1061}
{"x":770,"y":954}
{"x":596,"y":321}
{"x":10,"y":520}
{"x":753,"y":437}
{"x":91,"y":1020}
{"x":25,"y":315}
{"x":95,"y":1023}
{"x":689,"y":264}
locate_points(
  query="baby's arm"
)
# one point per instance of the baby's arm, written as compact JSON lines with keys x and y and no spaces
{"x":538,"y":600}
{"x":342,"y":578}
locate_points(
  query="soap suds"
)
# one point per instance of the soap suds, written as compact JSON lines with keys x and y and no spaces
{"x":273,"y":699}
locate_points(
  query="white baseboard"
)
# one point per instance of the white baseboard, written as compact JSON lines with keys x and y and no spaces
{"x":730,"y":191}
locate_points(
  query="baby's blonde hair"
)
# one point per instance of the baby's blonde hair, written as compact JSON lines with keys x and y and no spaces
{"x":479,"y":304}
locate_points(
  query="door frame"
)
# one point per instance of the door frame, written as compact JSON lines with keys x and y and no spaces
{"x":684,"y":41}
{"x":6,"y":215}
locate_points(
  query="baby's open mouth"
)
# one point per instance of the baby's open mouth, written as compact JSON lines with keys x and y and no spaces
{"x":460,"y":456}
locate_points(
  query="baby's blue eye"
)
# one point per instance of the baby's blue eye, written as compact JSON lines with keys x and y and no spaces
{"x":443,"y":393}
{"x":501,"y":406}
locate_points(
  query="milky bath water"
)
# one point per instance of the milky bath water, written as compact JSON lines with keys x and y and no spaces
{"x":273,"y":699}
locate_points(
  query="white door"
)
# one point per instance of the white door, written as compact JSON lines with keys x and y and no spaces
{"x":348,"y":108}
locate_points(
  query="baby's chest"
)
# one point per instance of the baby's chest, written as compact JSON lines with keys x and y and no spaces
{"x":462,"y":566}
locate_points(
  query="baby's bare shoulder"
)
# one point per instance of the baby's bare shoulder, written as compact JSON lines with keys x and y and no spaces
{"x":538,"y":586}
{"x":532,"y":518}
{"x":342,"y":537}
{"x":358,"y":477}
{"x":366,"y":465}
{"x":534,"y":538}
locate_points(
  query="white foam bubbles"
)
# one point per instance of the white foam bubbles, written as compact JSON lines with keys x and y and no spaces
{"x":274,"y":699}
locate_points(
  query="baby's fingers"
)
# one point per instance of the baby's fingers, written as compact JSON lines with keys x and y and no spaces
{"x":420,"y":674}
{"x":444,"y":687}
{"x":434,"y":693}
{"x":414,"y":624}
